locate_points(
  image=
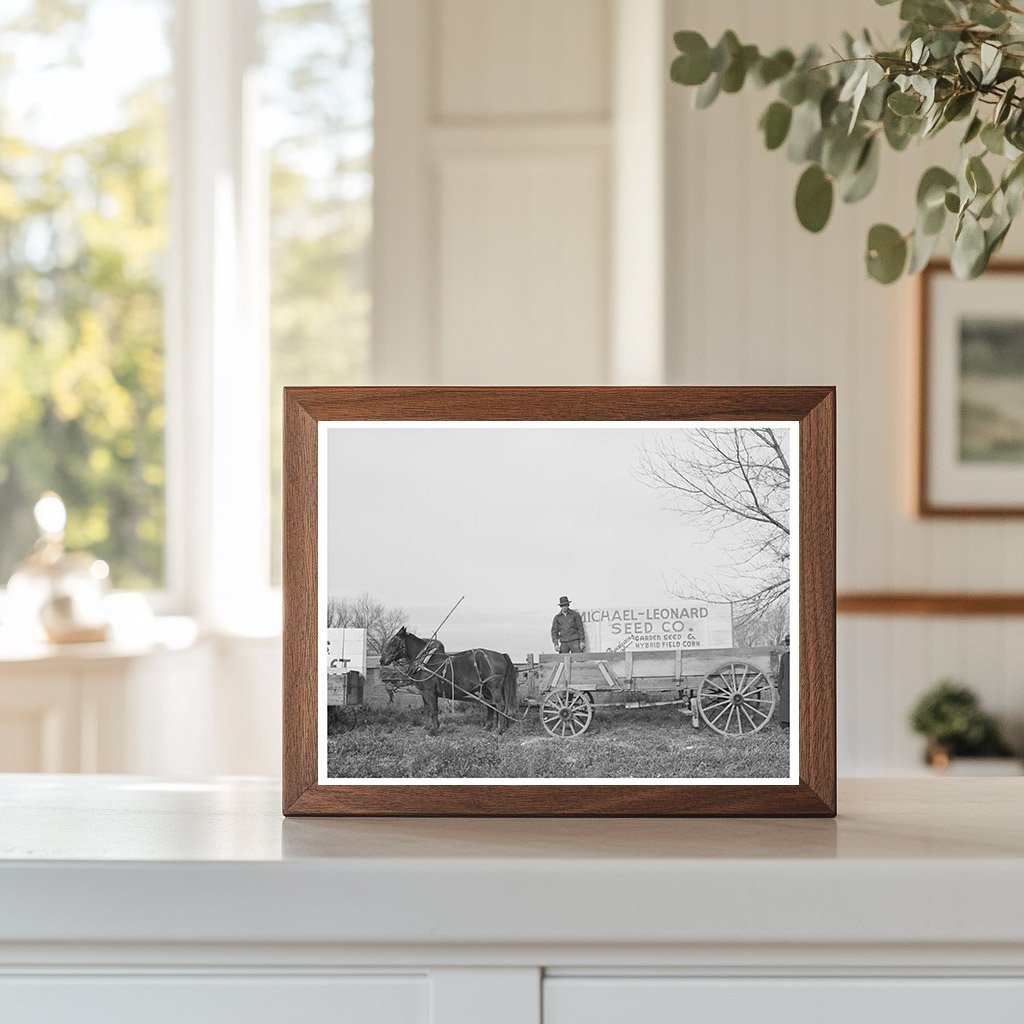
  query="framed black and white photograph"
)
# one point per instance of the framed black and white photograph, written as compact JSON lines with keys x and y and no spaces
{"x":970,"y":453}
{"x":519,"y":611}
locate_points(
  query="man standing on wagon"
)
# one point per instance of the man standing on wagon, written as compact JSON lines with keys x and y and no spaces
{"x":567,"y":633}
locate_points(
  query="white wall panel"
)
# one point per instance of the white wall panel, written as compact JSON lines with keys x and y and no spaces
{"x":493,"y":203}
{"x":530,"y":58}
{"x":754,"y":299}
{"x":522,"y":285}
{"x":521,"y":204}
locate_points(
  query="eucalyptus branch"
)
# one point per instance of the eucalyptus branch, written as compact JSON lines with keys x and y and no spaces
{"x":955,"y":61}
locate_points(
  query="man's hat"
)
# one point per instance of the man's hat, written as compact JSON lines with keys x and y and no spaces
{"x":563,"y":600}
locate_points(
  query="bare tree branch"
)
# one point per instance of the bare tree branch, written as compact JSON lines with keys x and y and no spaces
{"x":364,"y":612}
{"x":736,"y":484}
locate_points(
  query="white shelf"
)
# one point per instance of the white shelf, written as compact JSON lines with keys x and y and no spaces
{"x":163,"y":633}
{"x":127,"y":895}
{"x":121,"y":859}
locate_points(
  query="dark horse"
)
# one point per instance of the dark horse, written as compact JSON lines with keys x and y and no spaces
{"x":482,"y":676}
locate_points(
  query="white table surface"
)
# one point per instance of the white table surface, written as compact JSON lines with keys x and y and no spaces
{"x":125,"y":859}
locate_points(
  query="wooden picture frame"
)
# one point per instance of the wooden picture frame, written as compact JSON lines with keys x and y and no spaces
{"x":941,"y":487}
{"x":810,"y":791}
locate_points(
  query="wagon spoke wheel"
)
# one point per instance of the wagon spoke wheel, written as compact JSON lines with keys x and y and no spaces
{"x":736,"y":699}
{"x":566,"y":713}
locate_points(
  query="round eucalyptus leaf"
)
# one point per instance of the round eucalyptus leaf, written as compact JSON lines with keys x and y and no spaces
{"x":973,"y":130}
{"x":958,"y":106}
{"x":978,"y":176}
{"x":827,"y":105}
{"x":817,"y":83}
{"x":874,"y":103}
{"x":805,"y":133}
{"x":991,"y":60}
{"x":987,"y":15}
{"x":854,"y":91}
{"x":993,"y":138}
{"x":933,"y":187}
{"x":865,"y":173}
{"x":944,"y":44}
{"x":968,"y":255}
{"x":839,"y":151}
{"x":794,"y":89}
{"x":887,"y":253}
{"x":932,"y":220}
{"x":1013,"y":187}
{"x":771,"y":69}
{"x":814,"y":194}
{"x":900,"y":130}
{"x":952,"y":202}
{"x":995,"y":234}
{"x":725,"y":50}
{"x":693,"y":65}
{"x":903,"y":103}
{"x":707,"y":93}
{"x":735,"y":74}
{"x":775,"y":123}
{"x":689,"y":42}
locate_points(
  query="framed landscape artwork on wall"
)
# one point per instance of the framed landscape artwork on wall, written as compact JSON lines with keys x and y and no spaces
{"x":559,"y":601}
{"x":970,"y":450}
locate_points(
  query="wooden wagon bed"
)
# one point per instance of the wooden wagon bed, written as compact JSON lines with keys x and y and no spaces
{"x":732,"y":690}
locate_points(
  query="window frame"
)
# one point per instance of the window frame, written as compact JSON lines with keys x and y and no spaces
{"x":217,"y":350}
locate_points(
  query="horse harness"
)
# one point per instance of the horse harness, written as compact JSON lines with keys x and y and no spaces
{"x":445,"y":673}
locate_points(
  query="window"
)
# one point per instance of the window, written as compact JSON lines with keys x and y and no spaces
{"x":83,"y":236}
{"x":144,"y":182}
{"x":317,"y":119}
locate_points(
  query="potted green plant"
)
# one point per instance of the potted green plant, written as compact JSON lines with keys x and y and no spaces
{"x":950,"y":717}
{"x":955,"y":62}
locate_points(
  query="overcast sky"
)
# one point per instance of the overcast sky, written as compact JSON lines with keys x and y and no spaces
{"x":512,"y":517}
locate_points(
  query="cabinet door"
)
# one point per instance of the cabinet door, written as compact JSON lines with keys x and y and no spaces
{"x":783,"y":1000}
{"x":42,"y":721}
{"x":205,"y":999}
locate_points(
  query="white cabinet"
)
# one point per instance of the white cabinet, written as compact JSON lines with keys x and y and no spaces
{"x":100,"y":707}
{"x":482,"y":996}
{"x":823,"y":1000}
{"x":174,"y":705}
{"x":126,"y":899}
{"x":204,"y":999}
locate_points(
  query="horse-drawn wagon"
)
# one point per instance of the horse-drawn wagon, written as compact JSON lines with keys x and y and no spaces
{"x":731,"y":690}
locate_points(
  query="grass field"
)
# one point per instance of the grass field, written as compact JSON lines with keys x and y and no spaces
{"x":649,"y":743}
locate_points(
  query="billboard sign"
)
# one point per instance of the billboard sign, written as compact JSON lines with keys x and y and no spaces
{"x":346,"y":650}
{"x":681,"y":625}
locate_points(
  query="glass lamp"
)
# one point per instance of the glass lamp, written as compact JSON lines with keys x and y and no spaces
{"x":58,"y":595}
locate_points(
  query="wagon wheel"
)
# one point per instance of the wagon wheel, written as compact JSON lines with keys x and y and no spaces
{"x":736,"y":699}
{"x":566,"y":713}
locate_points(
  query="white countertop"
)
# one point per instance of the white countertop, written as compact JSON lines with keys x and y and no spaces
{"x":123,"y":859}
